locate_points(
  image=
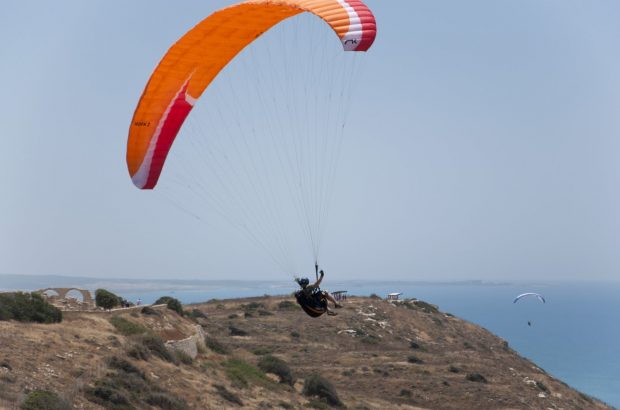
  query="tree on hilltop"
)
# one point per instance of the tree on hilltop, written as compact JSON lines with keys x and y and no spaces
{"x":106,"y":299}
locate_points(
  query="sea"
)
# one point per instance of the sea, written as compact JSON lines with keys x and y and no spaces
{"x":574,"y":336}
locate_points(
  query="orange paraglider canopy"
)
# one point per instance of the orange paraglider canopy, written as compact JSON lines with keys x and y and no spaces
{"x":192,"y":63}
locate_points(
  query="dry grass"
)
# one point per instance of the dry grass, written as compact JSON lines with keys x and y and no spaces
{"x":69,"y":357}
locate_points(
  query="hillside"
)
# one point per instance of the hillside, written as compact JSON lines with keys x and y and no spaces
{"x":377,"y":355}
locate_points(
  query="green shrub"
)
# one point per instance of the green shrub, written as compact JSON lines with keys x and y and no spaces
{"x":106,"y":299}
{"x":454,"y":369}
{"x":295,"y":334}
{"x":215,"y":345}
{"x":28,"y":307}
{"x":5,"y":314}
{"x":264,"y":313}
{"x":405,"y":393}
{"x":171,"y":303}
{"x":374,"y":296}
{"x":241,"y":373}
{"x":274,"y":365}
{"x":316,"y":385}
{"x":44,"y":400}
{"x":414,"y":345}
{"x":127,"y":327}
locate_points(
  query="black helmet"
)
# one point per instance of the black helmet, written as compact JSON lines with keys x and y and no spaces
{"x":303,"y":282}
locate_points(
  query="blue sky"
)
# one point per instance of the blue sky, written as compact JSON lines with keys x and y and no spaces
{"x":486,"y":146}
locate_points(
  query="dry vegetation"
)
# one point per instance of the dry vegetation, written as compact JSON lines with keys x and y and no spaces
{"x":266,"y":353}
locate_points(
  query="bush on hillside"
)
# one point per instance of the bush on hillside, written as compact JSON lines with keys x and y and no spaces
{"x":28,"y":307}
{"x":476,"y":377}
{"x":242,"y":373}
{"x":414,"y":359}
{"x":165,"y":401}
{"x":44,"y":400}
{"x":127,"y":387}
{"x":317,"y":385}
{"x":106,"y":299}
{"x":139,"y":352}
{"x":274,"y":365}
{"x":171,"y":303}
{"x":149,"y":311}
{"x":119,"y":363}
{"x":198,"y":314}
{"x":426,"y":307}
{"x":157,"y":347}
{"x":235,"y":331}
{"x":127,"y":327}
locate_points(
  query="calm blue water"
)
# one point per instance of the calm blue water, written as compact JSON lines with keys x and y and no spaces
{"x":574,"y":336}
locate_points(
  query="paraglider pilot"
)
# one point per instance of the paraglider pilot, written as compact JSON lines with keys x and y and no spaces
{"x":314,"y":300}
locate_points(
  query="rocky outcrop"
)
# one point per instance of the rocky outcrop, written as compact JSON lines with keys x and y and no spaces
{"x":190,"y":345}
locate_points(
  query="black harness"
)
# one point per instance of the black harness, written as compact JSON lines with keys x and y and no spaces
{"x":314,"y":304}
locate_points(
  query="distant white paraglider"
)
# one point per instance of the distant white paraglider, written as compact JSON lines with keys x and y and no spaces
{"x":521,"y":296}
